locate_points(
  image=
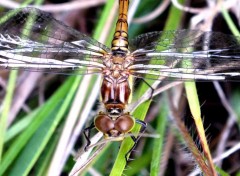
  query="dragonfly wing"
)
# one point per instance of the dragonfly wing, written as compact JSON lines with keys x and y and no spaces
{"x":145,"y":41}
{"x":33,"y":40}
{"x":188,"y":55}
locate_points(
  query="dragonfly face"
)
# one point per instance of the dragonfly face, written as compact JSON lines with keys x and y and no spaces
{"x":184,"y":55}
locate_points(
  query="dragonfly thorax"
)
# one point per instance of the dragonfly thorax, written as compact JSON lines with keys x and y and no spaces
{"x":123,"y":60}
{"x":118,"y":59}
{"x":115,"y":91}
{"x":116,"y":68}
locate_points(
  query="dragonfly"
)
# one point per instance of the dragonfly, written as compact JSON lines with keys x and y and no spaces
{"x":47,"y":45}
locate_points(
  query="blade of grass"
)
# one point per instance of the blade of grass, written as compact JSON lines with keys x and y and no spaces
{"x":173,"y":22}
{"x":9,"y":96}
{"x":6,"y":107}
{"x":141,"y":111}
{"x":42,"y":164}
{"x":158,"y":143}
{"x":43,"y":141}
{"x":230,"y":22}
{"x":101,"y":33}
{"x":46,"y":138}
{"x":234,"y":99}
{"x":41,"y":137}
{"x":21,"y":142}
{"x":127,"y":143}
{"x":195,"y":105}
{"x":19,"y":126}
{"x":135,"y":167}
{"x":188,"y":141}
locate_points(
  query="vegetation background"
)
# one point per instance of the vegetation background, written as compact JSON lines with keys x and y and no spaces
{"x":43,"y":115}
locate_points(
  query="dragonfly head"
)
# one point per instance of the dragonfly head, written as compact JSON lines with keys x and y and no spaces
{"x":114,"y":127}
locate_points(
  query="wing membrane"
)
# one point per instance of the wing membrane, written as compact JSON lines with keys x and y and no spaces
{"x":33,"y":40}
{"x":187,"y":55}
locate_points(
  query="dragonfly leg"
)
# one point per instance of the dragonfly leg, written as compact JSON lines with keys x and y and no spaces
{"x":152,"y":90}
{"x":86,"y":133}
{"x":135,"y":139}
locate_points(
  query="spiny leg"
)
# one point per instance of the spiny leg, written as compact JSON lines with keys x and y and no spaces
{"x":86,"y":133}
{"x":135,"y":139}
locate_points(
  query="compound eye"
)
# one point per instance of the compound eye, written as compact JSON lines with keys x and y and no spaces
{"x":124,"y":124}
{"x":103,"y":123}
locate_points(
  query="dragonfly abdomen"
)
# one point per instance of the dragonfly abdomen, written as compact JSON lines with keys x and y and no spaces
{"x":120,"y":39}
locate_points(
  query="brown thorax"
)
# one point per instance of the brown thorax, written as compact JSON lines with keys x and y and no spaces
{"x":116,"y":66}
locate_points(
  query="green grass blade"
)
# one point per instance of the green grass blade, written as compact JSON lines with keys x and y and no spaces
{"x":103,"y":33}
{"x":230,"y":22}
{"x":6,"y":108}
{"x":8,"y":97}
{"x":19,"y":126}
{"x":21,"y":142}
{"x":157,"y":152}
{"x":41,"y":137}
{"x":141,"y":111}
{"x":43,"y":162}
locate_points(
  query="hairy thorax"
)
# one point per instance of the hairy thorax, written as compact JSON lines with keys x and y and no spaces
{"x":117,"y":66}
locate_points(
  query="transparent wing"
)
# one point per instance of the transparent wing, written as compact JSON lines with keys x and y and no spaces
{"x":186,"y":55}
{"x":33,"y":40}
